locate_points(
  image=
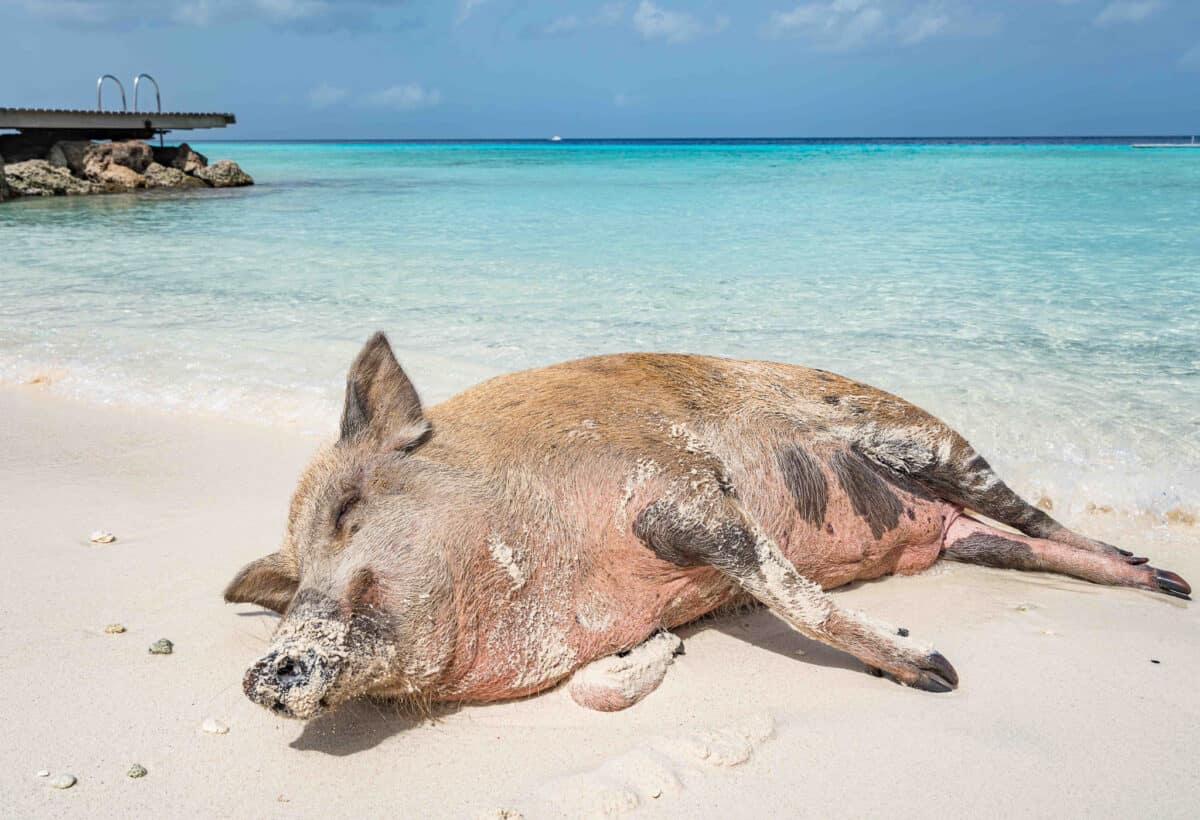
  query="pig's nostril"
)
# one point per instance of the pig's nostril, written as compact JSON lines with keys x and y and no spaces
{"x":290,"y":671}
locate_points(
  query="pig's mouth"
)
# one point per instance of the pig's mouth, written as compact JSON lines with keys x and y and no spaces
{"x":294,"y":682}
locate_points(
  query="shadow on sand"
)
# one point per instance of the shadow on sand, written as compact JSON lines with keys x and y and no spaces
{"x":360,"y":725}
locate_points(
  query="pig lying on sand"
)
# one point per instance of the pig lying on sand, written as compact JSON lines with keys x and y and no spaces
{"x":557,"y":521}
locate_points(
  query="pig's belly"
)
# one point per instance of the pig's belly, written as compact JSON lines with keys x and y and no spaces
{"x":637,"y":592}
{"x":628,"y":593}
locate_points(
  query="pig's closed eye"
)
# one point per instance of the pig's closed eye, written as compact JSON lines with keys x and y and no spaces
{"x":343,"y":509}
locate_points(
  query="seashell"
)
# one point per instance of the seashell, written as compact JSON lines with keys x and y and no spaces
{"x":102,"y":537}
{"x":114,"y":629}
{"x":63,"y":781}
{"x":214,"y":727}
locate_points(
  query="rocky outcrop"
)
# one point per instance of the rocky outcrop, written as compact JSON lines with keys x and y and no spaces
{"x":116,"y":178}
{"x":61,"y":167}
{"x":161,"y":176}
{"x":37,"y":177}
{"x":224,"y":173}
{"x":181,"y":157}
{"x":69,"y":154}
{"x":133,"y":155}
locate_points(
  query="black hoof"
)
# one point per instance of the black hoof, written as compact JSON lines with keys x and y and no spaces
{"x":937,"y":675}
{"x":1172,"y":584}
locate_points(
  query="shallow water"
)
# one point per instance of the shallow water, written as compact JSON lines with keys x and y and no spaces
{"x":1043,"y":299}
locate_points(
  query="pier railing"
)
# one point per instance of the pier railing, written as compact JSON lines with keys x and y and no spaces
{"x":100,"y":87}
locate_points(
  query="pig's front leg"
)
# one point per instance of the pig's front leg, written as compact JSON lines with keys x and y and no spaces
{"x":619,"y":681}
{"x":723,"y":536}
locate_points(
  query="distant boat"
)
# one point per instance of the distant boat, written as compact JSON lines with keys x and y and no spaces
{"x":1192,"y":144}
{"x":556,"y":138}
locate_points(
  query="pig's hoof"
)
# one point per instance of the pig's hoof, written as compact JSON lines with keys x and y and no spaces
{"x":930,"y":673}
{"x":936,"y":674}
{"x":618,"y":681}
{"x":1172,"y":584}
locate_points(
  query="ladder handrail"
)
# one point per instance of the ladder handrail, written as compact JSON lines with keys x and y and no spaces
{"x":100,"y":85}
{"x":157,"y":96}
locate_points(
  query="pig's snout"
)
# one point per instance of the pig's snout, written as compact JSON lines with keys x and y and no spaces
{"x":292,"y":682}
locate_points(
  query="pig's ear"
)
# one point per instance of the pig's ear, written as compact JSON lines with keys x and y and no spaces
{"x":269,"y":582}
{"x":381,"y":403}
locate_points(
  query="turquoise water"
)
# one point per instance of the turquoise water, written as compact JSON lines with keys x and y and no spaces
{"x":1044,"y":299}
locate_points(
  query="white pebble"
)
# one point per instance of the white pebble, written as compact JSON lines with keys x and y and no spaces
{"x":214,"y":727}
{"x":43,"y":773}
{"x":63,"y":781}
{"x":102,"y":537}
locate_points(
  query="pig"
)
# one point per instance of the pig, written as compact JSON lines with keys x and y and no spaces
{"x":559,"y":522}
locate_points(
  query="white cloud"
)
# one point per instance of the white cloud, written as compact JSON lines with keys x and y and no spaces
{"x":838,"y":25}
{"x":561,"y":25}
{"x":654,"y":22}
{"x":406,"y":97}
{"x":922,"y":26}
{"x":1127,"y":11}
{"x":465,"y":9}
{"x":607,"y":15}
{"x":310,"y":15}
{"x":198,"y":14}
{"x":844,"y":25}
{"x":325,"y":95}
{"x":290,"y":10}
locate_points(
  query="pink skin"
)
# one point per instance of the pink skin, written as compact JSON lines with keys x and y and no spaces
{"x":644,"y":593}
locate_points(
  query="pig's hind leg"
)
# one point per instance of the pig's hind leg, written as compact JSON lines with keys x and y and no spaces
{"x":619,"y":681}
{"x":974,"y":542}
{"x":729,"y":540}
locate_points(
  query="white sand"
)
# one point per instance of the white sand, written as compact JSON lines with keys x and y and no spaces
{"x":1060,"y":712}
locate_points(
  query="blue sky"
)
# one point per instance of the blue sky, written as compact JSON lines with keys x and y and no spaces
{"x":531,"y":68}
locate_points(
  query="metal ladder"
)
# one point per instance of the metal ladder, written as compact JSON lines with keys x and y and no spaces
{"x":157,"y":96}
{"x":136,"y":81}
{"x":100,"y":86}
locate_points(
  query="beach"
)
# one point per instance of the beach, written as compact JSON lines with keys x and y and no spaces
{"x":1061,"y":710}
{"x":169,"y":363}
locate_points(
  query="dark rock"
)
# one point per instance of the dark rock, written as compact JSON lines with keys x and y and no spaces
{"x":3,"y":182}
{"x":132,"y":154}
{"x":181,"y":157}
{"x":224,"y":173}
{"x":69,"y":154}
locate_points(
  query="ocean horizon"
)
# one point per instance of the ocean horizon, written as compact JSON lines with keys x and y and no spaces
{"x":1053,"y":139}
{"x":1040,"y":294}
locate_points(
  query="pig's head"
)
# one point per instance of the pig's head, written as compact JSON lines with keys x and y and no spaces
{"x":361,"y":579}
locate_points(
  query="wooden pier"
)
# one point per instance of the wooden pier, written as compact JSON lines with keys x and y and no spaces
{"x":106,"y":125}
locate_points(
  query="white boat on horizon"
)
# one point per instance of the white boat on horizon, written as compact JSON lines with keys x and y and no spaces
{"x":556,"y":138}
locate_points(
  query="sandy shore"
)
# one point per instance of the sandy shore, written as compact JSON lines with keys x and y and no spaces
{"x":1061,"y":711}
